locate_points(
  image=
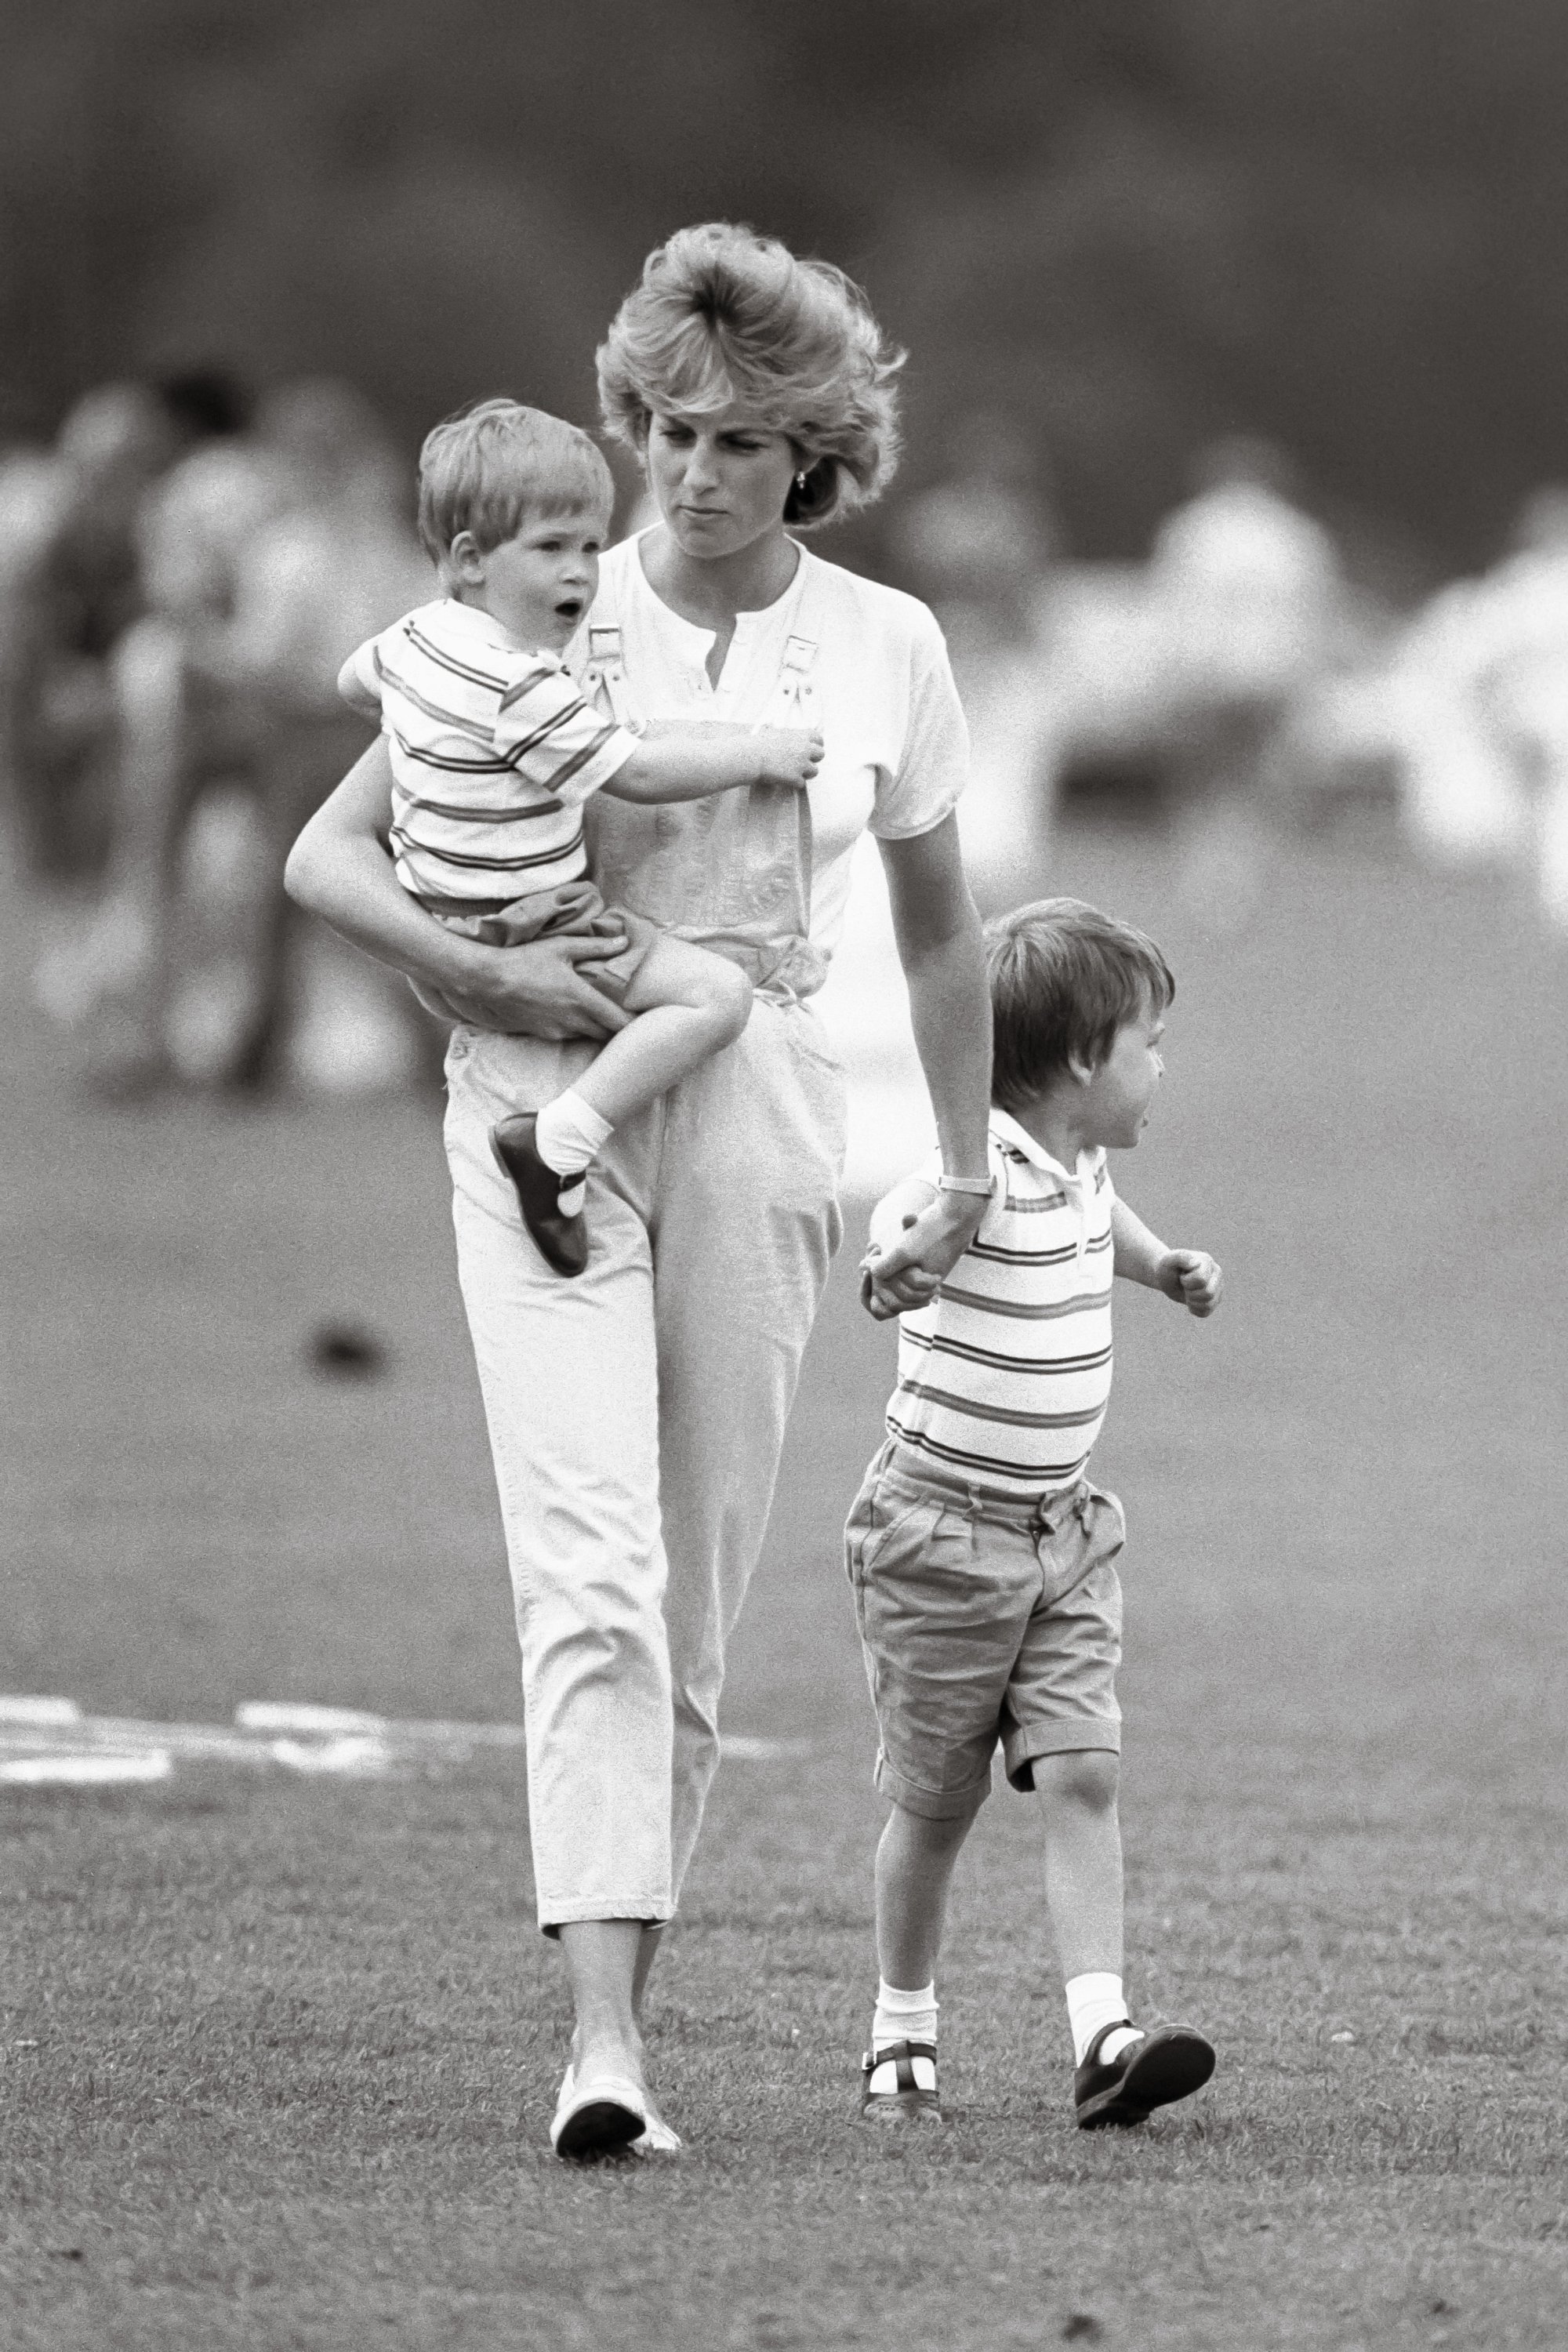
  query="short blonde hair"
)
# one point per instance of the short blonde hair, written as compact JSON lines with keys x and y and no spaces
{"x":723,"y":316}
{"x":491,"y":466}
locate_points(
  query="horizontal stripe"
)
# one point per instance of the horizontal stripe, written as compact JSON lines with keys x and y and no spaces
{"x":445,"y":658}
{"x":410,"y":845}
{"x":455,"y":813}
{"x":1023,"y":1311}
{"x":975,"y":1408}
{"x":945,"y":1345}
{"x":1025,"y":1473}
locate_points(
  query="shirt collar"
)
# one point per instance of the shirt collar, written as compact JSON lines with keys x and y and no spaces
{"x":1006,"y":1129}
{"x":486,"y":630}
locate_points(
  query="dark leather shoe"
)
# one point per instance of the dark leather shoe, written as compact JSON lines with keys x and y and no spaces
{"x":562,"y":1241}
{"x":1169,"y":2062}
{"x":907,"y":2102}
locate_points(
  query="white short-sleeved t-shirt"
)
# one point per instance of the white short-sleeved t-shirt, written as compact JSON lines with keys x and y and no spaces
{"x":897,"y":751}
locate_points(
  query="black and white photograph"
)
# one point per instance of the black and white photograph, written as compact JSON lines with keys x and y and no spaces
{"x":736,"y":740}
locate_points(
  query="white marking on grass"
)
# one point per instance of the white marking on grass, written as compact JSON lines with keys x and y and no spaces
{"x":39,"y":1710}
{"x":45,"y":1740}
{"x":100,"y":1769}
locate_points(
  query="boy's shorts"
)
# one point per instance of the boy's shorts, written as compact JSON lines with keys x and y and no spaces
{"x":982,"y":1620}
{"x":573,"y":909}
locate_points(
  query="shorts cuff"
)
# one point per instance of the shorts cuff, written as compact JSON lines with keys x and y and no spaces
{"x":929,"y":1804}
{"x":1074,"y":1739}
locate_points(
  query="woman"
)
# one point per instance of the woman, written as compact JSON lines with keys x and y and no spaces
{"x":757,"y":389}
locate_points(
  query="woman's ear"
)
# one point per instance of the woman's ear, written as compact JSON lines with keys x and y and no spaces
{"x":1079,"y":1069}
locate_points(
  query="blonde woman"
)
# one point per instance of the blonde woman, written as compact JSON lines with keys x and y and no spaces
{"x":637,"y":1412}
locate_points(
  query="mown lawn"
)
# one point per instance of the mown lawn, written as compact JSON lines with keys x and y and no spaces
{"x":275,"y":2059}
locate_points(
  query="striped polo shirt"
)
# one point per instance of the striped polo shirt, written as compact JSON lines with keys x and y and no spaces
{"x":1004,"y":1379}
{"x":494,"y":751}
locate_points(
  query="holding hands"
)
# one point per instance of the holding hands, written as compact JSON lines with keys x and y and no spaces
{"x":918,"y":1236}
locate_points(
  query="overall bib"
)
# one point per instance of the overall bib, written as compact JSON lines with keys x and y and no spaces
{"x":637,"y":1412}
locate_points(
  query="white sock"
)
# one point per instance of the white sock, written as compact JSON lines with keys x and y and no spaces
{"x":904,"y":2017}
{"x":1094,"y":2000}
{"x":570,"y":1134}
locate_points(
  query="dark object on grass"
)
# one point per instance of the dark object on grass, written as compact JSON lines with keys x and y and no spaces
{"x":346,"y":1351}
{"x":1081,"y":2326}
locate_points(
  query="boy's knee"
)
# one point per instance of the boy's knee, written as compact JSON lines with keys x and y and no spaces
{"x":730,"y":1002}
{"x":1088,"y":1777}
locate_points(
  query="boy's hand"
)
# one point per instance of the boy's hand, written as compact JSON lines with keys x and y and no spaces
{"x":788,"y":755}
{"x":897,"y":1277}
{"x":1192,"y":1278}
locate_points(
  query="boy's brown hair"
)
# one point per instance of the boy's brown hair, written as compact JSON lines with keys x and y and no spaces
{"x":1064,"y":979}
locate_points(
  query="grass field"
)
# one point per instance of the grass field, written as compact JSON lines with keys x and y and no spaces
{"x":276,"y":2058}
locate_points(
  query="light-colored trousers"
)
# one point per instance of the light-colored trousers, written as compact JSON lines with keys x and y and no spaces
{"x":635,"y":1414}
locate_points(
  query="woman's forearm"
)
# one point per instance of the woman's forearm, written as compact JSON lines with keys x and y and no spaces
{"x":943,"y":957}
{"x":340,"y":868}
{"x":950,"y":1012}
{"x":348,"y":881}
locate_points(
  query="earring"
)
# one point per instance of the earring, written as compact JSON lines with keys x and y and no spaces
{"x":800,"y":481}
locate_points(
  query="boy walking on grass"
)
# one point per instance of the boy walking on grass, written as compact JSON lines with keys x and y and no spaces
{"x":982,"y":1558}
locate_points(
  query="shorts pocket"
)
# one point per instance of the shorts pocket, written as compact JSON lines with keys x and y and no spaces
{"x":878,"y":1523}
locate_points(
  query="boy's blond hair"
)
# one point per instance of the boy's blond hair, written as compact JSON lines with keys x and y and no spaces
{"x":491,"y":468}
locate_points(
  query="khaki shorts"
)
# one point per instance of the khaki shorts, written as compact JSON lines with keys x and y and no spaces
{"x":569,"y":909}
{"x":982,"y":1620}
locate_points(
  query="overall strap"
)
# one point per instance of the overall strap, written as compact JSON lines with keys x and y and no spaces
{"x":605,"y":673}
{"x":793,"y":697}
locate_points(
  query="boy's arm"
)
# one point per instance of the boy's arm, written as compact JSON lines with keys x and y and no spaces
{"x":356,"y":681}
{"x":891,"y":1218}
{"x":673,"y":762}
{"x":1189,"y":1276}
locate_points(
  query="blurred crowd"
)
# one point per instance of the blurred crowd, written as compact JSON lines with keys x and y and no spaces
{"x":182,"y":575}
{"x":1240,"y":682}
{"x":183,"y":571}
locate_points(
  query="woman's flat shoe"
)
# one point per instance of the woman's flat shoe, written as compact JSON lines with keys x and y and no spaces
{"x":598,"y":2117}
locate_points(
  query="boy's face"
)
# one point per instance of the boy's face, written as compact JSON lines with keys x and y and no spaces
{"x":1119,"y":1095}
{"x":539,"y":584}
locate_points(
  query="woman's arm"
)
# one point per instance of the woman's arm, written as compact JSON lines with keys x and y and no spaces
{"x":340,"y":868}
{"x":937,"y":934}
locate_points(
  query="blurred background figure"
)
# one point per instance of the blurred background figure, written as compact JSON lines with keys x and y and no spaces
{"x":263,"y":556}
{"x":69,"y":588}
{"x":1481,"y":713}
{"x":977,"y":547}
{"x":1252,"y":601}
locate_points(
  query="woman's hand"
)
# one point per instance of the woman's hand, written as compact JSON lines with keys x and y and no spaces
{"x":906,"y":1273}
{"x":536,"y":991}
{"x":340,"y":868}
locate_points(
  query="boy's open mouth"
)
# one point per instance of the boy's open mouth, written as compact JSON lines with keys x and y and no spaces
{"x":569,"y":608}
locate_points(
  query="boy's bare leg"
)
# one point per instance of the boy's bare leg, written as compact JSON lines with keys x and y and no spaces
{"x":1083,"y":1858}
{"x":689,"y":1005}
{"x":915,"y":1863}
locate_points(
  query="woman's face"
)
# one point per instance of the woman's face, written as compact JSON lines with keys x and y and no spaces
{"x":720,"y":482}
